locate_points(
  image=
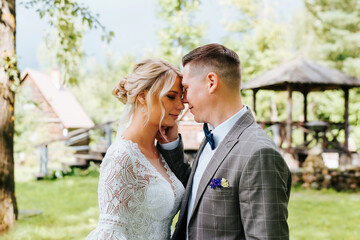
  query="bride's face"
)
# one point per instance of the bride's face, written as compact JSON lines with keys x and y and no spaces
{"x":172,"y":103}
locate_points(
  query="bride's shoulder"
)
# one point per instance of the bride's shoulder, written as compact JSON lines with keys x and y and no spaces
{"x":121,"y":157}
{"x":122,"y":149}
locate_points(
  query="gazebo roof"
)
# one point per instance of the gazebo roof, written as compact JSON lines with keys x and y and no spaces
{"x":302,"y":75}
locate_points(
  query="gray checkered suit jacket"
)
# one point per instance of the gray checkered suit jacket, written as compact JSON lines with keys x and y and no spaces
{"x":254,"y":206}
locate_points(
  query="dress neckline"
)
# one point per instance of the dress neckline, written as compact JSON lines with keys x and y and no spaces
{"x":147,"y":161}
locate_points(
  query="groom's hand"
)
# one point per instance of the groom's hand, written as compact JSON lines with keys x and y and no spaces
{"x":167,"y":134}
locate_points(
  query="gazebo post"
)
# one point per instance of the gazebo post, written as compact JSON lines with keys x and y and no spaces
{"x":346,"y":118}
{"x":305,"y":93}
{"x":254,"y":100}
{"x":289,"y":116}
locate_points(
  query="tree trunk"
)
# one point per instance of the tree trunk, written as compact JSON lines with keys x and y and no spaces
{"x":8,"y":206}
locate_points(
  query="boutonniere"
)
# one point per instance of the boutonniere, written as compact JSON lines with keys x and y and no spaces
{"x":219,"y":182}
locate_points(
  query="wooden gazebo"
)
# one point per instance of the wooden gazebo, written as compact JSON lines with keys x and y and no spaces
{"x":304,"y":76}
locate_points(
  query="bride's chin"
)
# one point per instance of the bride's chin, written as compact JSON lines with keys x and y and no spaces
{"x":168,"y":124}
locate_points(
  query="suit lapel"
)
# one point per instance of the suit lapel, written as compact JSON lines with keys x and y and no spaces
{"x":220,"y":154}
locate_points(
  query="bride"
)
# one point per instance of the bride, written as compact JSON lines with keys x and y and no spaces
{"x":138,"y":193}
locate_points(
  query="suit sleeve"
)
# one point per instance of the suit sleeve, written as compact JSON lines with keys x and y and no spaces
{"x":264,"y":192}
{"x":177,"y":161}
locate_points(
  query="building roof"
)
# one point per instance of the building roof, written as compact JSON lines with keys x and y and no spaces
{"x":302,"y":75}
{"x":62,"y":101}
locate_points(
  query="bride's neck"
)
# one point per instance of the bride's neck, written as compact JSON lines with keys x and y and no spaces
{"x":141,"y":133}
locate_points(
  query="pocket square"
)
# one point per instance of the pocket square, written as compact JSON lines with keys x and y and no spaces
{"x":219,"y":182}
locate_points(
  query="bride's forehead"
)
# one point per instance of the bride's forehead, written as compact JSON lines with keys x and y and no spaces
{"x":177,"y":84}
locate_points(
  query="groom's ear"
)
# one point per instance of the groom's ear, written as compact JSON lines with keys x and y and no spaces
{"x":213,"y":82}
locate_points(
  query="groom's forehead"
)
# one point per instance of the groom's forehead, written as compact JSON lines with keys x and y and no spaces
{"x":184,"y":81}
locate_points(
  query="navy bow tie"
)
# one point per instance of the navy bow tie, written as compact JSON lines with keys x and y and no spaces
{"x":209,"y":136}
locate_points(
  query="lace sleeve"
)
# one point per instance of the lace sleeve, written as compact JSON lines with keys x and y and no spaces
{"x":118,"y":177}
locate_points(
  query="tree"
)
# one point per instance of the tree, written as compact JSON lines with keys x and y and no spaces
{"x":260,"y":40}
{"x":67,"y":19}
{"x":257,"y":35}
{"x":335,"y":25}
{"x":180,"y":34}
{"x":8,"y":76}
{"x":63,"y":15}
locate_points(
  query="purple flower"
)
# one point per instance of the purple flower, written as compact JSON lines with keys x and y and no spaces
{"x":216,"y":182}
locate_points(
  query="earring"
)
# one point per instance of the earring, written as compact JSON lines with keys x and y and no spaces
{"x":142,"y":108}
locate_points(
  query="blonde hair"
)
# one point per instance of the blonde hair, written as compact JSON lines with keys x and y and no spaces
{"x":153,"y":75}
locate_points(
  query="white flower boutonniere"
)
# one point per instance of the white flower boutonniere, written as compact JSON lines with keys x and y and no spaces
{"x":224,"y":183}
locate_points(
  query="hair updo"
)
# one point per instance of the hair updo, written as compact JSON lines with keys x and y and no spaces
{"x":120,"y":91}
{"x":154,"y":75}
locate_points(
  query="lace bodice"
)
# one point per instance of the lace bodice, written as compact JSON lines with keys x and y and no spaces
{"x":135,"y":200}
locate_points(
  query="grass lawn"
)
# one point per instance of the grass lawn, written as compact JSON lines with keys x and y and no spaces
{"x":324,"y":214}
{"x":69,"y":211}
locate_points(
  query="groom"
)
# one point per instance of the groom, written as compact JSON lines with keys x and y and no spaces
{"x":239,"y":184}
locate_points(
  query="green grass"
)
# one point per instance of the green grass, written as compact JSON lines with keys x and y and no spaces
{"x":69,"y":211}
{"x":324,"y":214}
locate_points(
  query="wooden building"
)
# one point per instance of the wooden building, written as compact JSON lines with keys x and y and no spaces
{"x":191,"y":132}
{"x":59,"y":108}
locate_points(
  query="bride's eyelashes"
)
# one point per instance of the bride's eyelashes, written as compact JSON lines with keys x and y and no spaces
{"x":172,"y":97}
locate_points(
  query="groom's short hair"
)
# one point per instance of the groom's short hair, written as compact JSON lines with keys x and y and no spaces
{"x":218,"y":58}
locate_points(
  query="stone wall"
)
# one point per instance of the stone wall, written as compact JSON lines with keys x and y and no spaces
{"x":316,"y":175}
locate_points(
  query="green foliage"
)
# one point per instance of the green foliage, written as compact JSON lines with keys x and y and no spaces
{"x":261,"y":43}
{"x":9,"y":63}
{"x":257,"y":36}
{"x":180,"y":34}
{"x":67,"y":19}
{"x":248,"y":17}
{"x":93,"y":171}
{"x":94,"y":91}
{"x":319,"y":105}
{"x":329,"y":31}
{"x":336,"y":28}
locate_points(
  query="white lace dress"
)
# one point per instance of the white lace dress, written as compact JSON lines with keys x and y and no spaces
{"x":135,"y":200}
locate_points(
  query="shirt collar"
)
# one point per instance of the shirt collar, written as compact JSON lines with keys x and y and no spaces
{"x":220,"y":132}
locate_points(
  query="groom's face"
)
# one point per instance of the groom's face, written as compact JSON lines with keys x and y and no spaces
{"x":195,"y":92}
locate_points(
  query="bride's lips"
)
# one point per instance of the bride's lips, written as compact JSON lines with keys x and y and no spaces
{"x":174,"y":116}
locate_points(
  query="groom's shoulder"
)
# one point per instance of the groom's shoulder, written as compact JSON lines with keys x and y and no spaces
{"x":254,"y":131}
{"x":256,"y":138}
